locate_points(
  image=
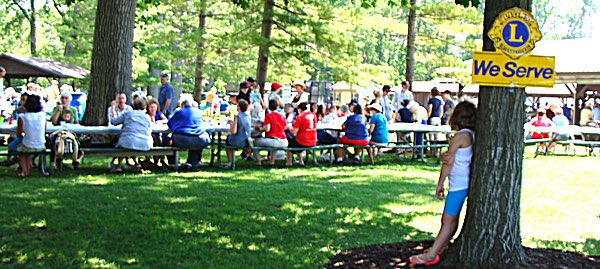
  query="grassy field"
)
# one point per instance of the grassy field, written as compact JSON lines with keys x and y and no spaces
{"x":263,"y":218}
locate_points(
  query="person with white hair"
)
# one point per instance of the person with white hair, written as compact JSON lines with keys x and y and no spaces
{"x":64,"y":105}
{"x":189,"y":131}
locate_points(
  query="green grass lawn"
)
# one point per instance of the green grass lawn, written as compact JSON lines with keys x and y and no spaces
{"x":263,"y":218}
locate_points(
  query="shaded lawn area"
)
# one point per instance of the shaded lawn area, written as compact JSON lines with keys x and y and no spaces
{"x":263,"y":218}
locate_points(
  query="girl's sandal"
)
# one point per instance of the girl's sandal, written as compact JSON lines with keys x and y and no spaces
{"x":418,"y":260}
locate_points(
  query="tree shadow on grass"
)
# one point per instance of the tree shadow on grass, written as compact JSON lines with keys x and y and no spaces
{"x":213,"y":219}
{"x":591,"y":246}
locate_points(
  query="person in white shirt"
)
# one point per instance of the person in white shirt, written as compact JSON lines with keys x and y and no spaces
{"x":136,"y":133}
{"x":399,"y":97}
{"x":118,"y":107}
{"x":31,"y":126}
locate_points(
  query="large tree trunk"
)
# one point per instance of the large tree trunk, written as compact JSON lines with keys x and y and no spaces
{"x":410,"y":43}
{"x":198,"y":85}
{"x":263,"y":51}
{"x":491,"y":235}
{"x":111,"y":57}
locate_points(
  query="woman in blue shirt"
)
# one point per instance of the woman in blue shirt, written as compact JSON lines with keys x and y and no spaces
{"x":356,"y":134}
{"x":378,"y":130}
{"x":239,"y":130}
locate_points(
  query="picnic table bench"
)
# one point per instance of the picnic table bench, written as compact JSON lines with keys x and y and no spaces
{"x":42,"y":164}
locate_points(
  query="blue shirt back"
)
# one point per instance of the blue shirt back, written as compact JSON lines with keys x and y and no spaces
{"x":356,"y":127}
{"x":187,"y":120}
{"x":435,"y":108}
{"x":380,"y":133}
{"x":166,"y":92}
{"x":244,"y":128}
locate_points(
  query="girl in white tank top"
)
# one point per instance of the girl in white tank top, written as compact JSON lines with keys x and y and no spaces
{"x":456,"y":166}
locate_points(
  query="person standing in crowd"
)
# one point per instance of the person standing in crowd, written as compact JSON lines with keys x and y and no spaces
{"x":356,"y":134}
{"x":64,"y":105}
{"x":448,"y":106}
{"x":456,"y":167}
{"x":274,"y":128}
{"x":31,"y":127}
{"x":378,"y":130}
{"x":51,"y":92}
{"x":117,"y":107}
{"x":244,"y":93}
{"x":404,"y":94}
{"x":386,"y":104}
{"x":435,"y":107}
{"x":420,"y":117}
{"x":585,"y":115}
{"x":136,"y":133}
{"x":210,"y":99}
{"x":305,"y":131}
{"x":301,"y":96}
{"x":189,"y":132}
{"x":239,"y":131}
{"x":165,"y":96}
{"x":568,"y":112}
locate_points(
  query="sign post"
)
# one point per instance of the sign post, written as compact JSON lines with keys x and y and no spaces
{"x":514,"y":34}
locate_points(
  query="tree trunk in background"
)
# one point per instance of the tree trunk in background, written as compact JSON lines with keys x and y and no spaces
{"x":176,"y":80}
{"x":33,"y":29}
{"x":491,"y":235}
{"x":154,"y":89}
{"x":198,"y":86}
{"x":410,"y":43}
{"x":263,"y":51}
{"x":111,"y":57}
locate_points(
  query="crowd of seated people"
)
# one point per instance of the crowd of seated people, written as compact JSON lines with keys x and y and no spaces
{"x":260,"y":121}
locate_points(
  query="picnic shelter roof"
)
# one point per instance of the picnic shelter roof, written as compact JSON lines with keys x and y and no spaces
{"x":28,"y":67}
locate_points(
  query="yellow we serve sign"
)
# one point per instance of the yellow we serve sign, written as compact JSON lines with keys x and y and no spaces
{"x":495,"y":69}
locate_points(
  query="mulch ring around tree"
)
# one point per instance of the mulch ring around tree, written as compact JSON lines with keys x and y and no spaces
{"x":396,"y":256}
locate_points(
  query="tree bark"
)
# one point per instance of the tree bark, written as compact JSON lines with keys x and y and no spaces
{"x":33,"y":28}
{"x":111,"y":57}
{"x":491,"y":235}
{"x":198,"y":86}
{"x":410,"y":43}
{"x":176,"y":80}
{"x":263,"y":50}
{"x":154,"y":89}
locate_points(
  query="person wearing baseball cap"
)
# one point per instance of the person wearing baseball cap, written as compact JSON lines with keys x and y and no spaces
{"x":244,"y":93}
{"x":378,"y":129}
{"x":274,"y":95}
{"x":351,"y":105}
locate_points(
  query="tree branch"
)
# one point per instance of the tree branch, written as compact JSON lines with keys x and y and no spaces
{"x":290,"y":11}
{"x":57,"y":9}
{"x":284,"y":29}
{"x":16,"y":3}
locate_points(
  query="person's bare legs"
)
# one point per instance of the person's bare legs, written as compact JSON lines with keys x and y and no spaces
{"x":371,"y":154}
{"x":448,"y":229}
{"x":288,"y":158}
{"x":24,"y":166}
{"x":300,"y":160}
{"x":272,"y":157}
{"x":229,"y":155}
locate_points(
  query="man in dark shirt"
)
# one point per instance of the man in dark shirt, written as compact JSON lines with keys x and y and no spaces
{"x":165,"y":97}
{"x":244,"y":93}
{"x":448,"y":106}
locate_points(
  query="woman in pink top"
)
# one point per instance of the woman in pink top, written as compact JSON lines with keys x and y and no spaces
{"x":540,"y":121}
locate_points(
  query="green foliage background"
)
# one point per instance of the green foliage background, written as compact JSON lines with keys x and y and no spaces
{"x":351,"y":40}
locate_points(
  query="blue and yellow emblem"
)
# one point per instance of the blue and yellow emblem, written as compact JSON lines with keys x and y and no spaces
{"x":515,"y":32}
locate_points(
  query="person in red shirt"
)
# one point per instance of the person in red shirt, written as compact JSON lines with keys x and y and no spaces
{"x":540,"y":121}
{"x":274,"y":127}
{"x":305,"y":129}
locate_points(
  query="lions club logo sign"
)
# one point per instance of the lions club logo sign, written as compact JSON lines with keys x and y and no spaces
{"x":515,"y":32}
